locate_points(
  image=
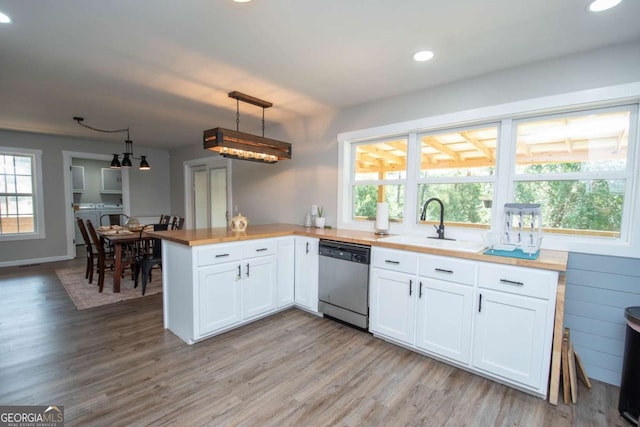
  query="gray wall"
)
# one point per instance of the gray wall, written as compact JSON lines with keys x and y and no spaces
{"x":284,"y":192}
{"x":598,"y":291}
{"x":149,"y":192}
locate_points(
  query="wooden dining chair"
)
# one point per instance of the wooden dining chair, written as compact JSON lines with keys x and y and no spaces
{"x":91,"y":254}
{"x":102,"y":254}
{"x":164,"y":219}
{"x":177,"y":223}
{"x":114,"y":219}
{"x":149,"y":256}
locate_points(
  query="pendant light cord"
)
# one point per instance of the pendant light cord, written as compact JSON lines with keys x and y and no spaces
{"x":80,"y":120}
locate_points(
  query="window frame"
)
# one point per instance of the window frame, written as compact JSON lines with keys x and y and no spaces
{"x":506,"y":114}
{"x":483,"y":179}
{"x":626,"y":175}
{"x":353,"y":182}
{"x":38,"y":203}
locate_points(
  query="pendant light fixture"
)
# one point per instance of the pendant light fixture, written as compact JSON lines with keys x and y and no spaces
{"x":128,"y":149}
{"x":245,"y":146}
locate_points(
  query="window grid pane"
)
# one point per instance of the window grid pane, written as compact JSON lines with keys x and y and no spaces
{"x":379,"y":175}
{"x":16,"y":194}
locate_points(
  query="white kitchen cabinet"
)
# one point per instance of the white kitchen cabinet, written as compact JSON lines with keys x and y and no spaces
{"x":286,"y":272}
{"x":77,"y":179}
{"x":445,"y":312}
{"x":393,"y":292}
{"x":492,"y":319}
{"x":219,"y":297}
{"x":509,"y":336}
{"x":392,"y":304}
{"x":514,"y":324}
{"x":444,"y":319}
{"x":306,"y":272}
{"x":259,"y":286}
{"x":210,"y":289}
{"x":111,"y":181}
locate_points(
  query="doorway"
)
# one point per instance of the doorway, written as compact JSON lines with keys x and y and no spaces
{"x":75,"y":188}
{"x":208,"y":190}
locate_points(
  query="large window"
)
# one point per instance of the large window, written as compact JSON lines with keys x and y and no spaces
{"x":19,"y":201}
{"x":577,"y":167}
{"x":580,"y":164}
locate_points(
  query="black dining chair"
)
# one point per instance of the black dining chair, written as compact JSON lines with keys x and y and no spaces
{"x":149,"y":256}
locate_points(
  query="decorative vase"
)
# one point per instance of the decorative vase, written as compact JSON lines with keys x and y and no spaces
{"x":239,"y":223}
{"x":320,"y":222}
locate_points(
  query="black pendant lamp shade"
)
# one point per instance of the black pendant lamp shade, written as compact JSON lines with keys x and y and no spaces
{"x":128,"y":150}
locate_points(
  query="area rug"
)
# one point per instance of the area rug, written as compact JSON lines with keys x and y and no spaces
{"x":85,"y":295}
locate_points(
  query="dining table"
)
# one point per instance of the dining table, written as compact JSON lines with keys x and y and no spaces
{"x":123,"y":241}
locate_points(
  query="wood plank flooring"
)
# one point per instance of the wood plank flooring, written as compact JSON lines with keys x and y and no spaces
{"x":116,"y":366}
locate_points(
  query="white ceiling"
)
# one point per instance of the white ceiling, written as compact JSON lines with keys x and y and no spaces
{"x":164,"y":67}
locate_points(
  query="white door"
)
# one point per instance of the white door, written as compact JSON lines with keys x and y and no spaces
{"x":509,"y":336}
{"x":210,"y":195}
{"x":444,"y":319}
{"x":392,"y":308}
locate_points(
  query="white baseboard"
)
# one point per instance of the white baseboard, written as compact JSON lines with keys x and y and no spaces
{"x":34,"y":261}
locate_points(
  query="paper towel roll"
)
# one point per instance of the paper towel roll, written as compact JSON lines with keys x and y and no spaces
{"x":382,"y":218}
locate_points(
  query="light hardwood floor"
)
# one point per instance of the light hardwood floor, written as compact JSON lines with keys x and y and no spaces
{"x":116,"y":366}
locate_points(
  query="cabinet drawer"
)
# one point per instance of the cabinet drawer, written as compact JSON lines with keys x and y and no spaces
{"x":259,"y":248}
{"x":218,"y":254}
{"x":518,"y":280}
{"x":449,"y":269}
{"x":391,"y":259}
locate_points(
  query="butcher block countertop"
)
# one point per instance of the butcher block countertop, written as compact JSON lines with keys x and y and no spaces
{"x":548,"y":259}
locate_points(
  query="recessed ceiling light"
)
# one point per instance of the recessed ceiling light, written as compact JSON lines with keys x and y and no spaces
{"x":4,"y":19}
{"x":242,"y":1}
{"x":601,"y":5}
{"x":423,"y":55}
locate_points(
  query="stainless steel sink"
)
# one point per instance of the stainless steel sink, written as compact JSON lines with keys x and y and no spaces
{"x":451,"y":245}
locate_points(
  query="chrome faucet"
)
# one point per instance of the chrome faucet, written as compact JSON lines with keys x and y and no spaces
{"x":439,"y":228}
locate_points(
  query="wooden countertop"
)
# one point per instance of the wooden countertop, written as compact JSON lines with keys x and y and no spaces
{"x":548,"y":259}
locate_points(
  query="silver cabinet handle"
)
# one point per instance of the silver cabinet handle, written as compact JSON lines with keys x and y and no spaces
{"x":442,"y":270}
{"x":390,"y":261}
{"x":420,"y":292}
{"x":480,"y":304}
{"x":239,"y":272}
{"x":247,"y":269}
{"x":261,"y":249}
{"x":410,"y":287}
{"x":307,"y":247}
{"x":221,"y":255}
{"x":511,"y":282}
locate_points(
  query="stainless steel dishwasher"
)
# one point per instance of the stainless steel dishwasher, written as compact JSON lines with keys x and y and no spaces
{"x":343,"y":285}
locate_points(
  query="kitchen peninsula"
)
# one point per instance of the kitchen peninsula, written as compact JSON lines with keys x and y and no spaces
{"x":216,"y":280}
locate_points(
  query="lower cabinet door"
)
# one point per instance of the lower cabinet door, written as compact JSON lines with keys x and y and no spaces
{"x":219,"y":297}
{"x":259,"y":286}
{"x":392,"y":305}
{"x":510,"y":337}
{"x":444,"y":319}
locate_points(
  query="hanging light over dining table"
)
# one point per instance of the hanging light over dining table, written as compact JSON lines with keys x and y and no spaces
{"x":244,"y":146}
